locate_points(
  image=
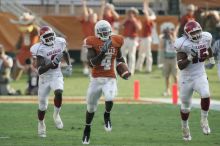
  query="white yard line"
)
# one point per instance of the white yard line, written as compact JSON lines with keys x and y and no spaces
{"x":215,"y":104}
{"x":4,"y":137}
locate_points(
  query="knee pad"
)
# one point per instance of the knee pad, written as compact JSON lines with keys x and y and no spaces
{"x":91,"y":108}
{"x":58,"y":94}
{"x":43,"y":105}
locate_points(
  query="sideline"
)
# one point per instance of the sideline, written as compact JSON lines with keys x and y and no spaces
{"x":215,"y":104}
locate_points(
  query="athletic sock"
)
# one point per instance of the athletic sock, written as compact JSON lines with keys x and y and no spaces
{"x":108,"y":106}
{"x":89,"y":118}
{"x":41,"y":115}
{"x":204,"y":114}
{"x":185,"y":123}
{"x":57,"y":102}
{"x":57,"y":110}
{"x":184,"y":117}
{"x":205,"y":103}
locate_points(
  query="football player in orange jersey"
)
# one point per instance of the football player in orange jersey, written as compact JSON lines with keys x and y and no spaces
{"x":103,"y":50}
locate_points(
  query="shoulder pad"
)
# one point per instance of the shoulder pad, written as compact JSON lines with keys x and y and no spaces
{"x":60,"y":39}
{"x":179,"y":43}
{"x":207,"y":35}
{"x":34,"y":49}
{"x":117,"y":40}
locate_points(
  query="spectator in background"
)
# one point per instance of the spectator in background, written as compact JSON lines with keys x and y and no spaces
{"x":168,"y":55}
{"x":131,"y":25}
{"x":88,"y":20}
{"x":108,"y":13}
{"x":190,"y":9}
{"x":6,"y":64}
{"x":146,"y":39}
{"x":32,"y":87}
{"x":211,"y":23}
{"x":216,"y":53}
{"x":28,"y":37}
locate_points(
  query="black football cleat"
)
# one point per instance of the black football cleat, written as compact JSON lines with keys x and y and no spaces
{"x":108,"y":124}
{"x":86,"y":135}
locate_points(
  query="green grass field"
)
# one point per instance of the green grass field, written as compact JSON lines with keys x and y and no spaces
{"x":133,"y":125}
{"x":152,"y":85}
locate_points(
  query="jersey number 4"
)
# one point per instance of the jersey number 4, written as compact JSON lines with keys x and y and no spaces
{"x":202,"y":56}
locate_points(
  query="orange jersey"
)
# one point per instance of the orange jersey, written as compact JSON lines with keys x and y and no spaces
{"x":107,"y":66}
{"x":147,"y":26}
{"x":186,"y":18}
{"x":130,"y":29}
{"x":110,"y":19}
{"x":87,"y":28}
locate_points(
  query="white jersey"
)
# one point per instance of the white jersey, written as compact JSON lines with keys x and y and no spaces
{"x":183,"y":44}
{"x":34,"y":50}
{"x":216,"y":50}
{"x":48,"y":53}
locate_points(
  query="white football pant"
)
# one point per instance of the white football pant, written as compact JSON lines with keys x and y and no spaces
{"x":45,"y":85}
{"x":129,"y":48}
{"x":145,"y":52}
{"x":97,"y":86}
{"x":188,"y":85}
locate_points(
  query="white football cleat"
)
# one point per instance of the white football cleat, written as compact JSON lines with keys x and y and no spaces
{"x":186,"y":134}
{"x":205,"y":126}
{"x":108,"y":126}
{"x":57,"y":120}
{"x":85,"y":142}
{"x":41,"y":129}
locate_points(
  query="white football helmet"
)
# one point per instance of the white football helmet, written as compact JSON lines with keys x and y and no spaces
{"x":103,"y":30}
{"x":47,"y":35}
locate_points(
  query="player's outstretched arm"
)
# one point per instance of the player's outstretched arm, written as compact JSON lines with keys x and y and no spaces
{"x":119,"y":57}
{"x":66,"y":57}
{"x":211,"y":58}
{"x":182,"y":60}
{"x":42,"y":68}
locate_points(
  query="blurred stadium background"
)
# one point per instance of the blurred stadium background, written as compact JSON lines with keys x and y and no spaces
{"x":139,"y":123}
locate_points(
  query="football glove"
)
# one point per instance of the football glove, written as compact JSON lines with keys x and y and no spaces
{"x":69,"y":70}
{"x":57,"y":59}
{"x":209,"y":66}
{"x":192,"y":54}
{"x":106,"y":45}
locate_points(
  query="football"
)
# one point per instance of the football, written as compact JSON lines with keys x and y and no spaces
{"x":122,"y":70}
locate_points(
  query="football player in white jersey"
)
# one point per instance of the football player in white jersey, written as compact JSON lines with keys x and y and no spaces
{"x":49,"y":52}
{"x":193,"y":48}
